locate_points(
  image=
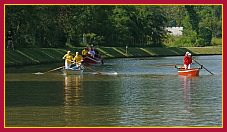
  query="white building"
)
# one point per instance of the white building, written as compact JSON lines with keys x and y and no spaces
{"x":175,"y":31}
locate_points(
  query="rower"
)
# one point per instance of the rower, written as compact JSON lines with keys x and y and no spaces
{"x":91,"y":51}
{"x":187,"y":60}
{"x":84,"y":52}
{"x":77,"y":60}
{"x":68,"y":59}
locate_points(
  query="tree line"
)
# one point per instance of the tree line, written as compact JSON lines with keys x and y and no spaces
{"x":111,"y":25}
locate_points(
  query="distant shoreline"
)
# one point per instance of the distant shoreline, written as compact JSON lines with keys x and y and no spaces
{"x":34,"y":56}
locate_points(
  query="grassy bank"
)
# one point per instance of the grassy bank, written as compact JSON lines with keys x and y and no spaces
{"x":30,"y":56}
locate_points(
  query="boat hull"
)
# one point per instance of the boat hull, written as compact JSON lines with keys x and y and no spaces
{"x":92,"y":61}
{"x":189,"y":72}
{"x":72,"y":72}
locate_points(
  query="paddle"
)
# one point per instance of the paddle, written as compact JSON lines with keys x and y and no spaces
{"x":50,"y":70}
{"x":162,"y":65}
{"x":203,"y":67}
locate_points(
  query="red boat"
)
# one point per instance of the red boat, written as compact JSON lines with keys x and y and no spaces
{"x":92,"y":61}
{"x":188,"y":72}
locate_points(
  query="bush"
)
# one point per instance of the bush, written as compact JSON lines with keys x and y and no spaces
{"x":200,"y":42}
{"x":184,"y":42}
{"x":216,"y":41}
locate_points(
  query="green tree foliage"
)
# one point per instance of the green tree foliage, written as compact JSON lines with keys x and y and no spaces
{"x":200,"y":23}
{"x":139,"y":25}
{"x":34,"y":26}
{"x":203,"y":20}
{"x":109,"y":25}
{"x":193,"y":17}
{"x":175,"y":15}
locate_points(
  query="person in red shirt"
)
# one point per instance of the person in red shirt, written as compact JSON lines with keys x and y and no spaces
{"x":187,"y":60}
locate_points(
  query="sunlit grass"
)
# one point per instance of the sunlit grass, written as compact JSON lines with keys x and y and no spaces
{"x":47,"y":55}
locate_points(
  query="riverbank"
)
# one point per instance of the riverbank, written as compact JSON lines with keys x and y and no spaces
{"x":31,"y":56}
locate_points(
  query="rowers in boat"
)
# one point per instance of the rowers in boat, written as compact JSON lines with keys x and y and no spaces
{"x":76,"y":68}
{"x":91,"y":56}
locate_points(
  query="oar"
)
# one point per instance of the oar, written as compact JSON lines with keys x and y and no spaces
{"x":203,"y":67}
{"x":160,"y":65}
{"x":54,"y":69}
{"x":50,"y":70}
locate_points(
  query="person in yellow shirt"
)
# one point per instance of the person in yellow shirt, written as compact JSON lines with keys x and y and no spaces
{"x":84,"y":52}
{"x":78,"y":60}
{"x":68,"y":60}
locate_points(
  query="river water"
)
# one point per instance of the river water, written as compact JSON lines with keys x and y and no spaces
{"x":129,"y":92}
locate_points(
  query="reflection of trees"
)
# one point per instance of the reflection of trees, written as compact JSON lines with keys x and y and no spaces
{"x":72,"y":94}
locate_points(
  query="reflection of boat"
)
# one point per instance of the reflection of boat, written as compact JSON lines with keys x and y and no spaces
{"x":188,"y":72}
{"x":72,"y":98}
{"x":72,"y":71}
{"x":186,"y":85}
{"x":92,"y":61}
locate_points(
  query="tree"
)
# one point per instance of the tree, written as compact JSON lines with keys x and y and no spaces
{"x":193,"y":18}
{"x":56,"y":26}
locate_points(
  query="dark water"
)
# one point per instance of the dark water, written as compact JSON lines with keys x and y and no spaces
{"x":145,"y":92}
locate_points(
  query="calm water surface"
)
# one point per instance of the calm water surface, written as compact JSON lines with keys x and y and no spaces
{"x":128,"y":92}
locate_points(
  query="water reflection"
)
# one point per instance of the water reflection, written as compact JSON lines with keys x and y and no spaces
{"x":137,"y":96}
{"x":72,"y":87}
{"x":72,"y":95}
{"x":186,"y":88}
{"x":187,"y":84}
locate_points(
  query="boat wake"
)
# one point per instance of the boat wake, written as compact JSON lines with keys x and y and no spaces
{"x":38,"y":73}
{"x":105,"y":73}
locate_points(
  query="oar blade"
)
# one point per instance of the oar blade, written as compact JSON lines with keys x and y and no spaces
{"x":38,"y":73}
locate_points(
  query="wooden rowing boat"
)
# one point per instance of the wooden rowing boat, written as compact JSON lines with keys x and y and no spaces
{"x":92,"y":61}
{"x":188,"y":72}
